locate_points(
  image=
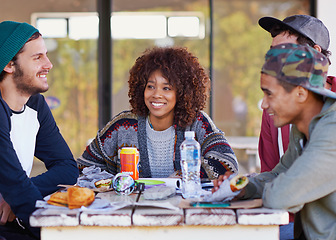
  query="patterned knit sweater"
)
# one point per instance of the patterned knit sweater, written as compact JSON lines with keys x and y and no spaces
{"x":129,"y":130}
{"x":160,"y":146}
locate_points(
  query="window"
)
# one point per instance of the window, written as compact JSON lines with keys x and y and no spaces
{"x":125,"y":25}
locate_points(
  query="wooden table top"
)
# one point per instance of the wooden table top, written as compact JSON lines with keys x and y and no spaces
{"x":179,"y":214}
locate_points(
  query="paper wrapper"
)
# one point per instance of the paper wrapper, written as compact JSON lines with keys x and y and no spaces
{"x":224,"y":193}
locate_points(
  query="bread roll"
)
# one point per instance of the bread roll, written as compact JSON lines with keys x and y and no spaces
{"x":74,"y":197}
{"x":104,"y":184}
{"x":238,"y":182}
{"x":59,"y":199}
{"x":80,"y":196}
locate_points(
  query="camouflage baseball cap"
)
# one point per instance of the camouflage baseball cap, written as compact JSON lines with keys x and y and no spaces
{"x":299,"y":65}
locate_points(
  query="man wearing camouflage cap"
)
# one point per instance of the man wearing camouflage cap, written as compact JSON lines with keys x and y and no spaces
{"x":292,"y":79}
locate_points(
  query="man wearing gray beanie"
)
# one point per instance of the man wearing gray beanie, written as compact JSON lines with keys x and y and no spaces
{"x":27,"y":130}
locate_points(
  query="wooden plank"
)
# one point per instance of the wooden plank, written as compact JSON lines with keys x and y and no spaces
{"x":156,"y":216}
{"x":146,"y":216}
{"x":253,"y":203}
{"x":262,"y":216}
{"x":245,"y":204}
{"x":117,"y":218}
{"x":110,"y":217}
{"x":210,"y":216}
{"x":54,"y":217}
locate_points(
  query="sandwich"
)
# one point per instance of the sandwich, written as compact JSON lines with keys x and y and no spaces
{"x":74,"y":197}
{"x":104,"y":184}
{"x":59,"y":199}
{"x":79,"y":196}
{"x":238,"y":182}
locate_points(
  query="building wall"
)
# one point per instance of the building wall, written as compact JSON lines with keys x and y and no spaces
{"x":326,"y":12}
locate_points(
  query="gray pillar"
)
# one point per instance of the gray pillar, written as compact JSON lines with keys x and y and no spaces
{"x":104,"y":9}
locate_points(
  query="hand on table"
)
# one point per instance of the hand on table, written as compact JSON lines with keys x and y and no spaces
{"x":222,"y":189}
{"x":6,"y":213}
{"x":221,"y":178}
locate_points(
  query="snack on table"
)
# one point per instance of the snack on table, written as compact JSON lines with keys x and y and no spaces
{"x":59,"y":199}
{"x":123,"y":184}
{"x":238,"y":182}
{"x":74,"y":197}
{"x":104,"y":184}
{"x":78,"y":196}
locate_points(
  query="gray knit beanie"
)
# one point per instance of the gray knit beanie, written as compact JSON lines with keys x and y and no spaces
{"x":13,"y":36}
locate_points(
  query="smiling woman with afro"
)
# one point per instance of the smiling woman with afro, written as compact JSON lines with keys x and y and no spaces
{"x":182,"y":70}
{"x":168,"y":91}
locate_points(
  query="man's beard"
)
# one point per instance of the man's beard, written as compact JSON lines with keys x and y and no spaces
{"x":24,"y":84}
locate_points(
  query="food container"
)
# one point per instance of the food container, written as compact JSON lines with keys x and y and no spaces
{"x":129,"y":160}
{"x":123,"y":184}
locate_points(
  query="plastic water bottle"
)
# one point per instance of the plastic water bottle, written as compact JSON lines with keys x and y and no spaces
{"x":191,"y":166}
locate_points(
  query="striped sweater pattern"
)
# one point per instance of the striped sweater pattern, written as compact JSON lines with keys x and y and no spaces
{"x":129,"y":130}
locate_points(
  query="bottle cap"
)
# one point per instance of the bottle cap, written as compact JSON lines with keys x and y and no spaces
{"x":189,"y":134}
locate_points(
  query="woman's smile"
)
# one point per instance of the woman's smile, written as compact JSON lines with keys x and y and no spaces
{"x":160,"y":99}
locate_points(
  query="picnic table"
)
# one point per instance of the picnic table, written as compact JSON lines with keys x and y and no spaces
{"x":172,"y":218}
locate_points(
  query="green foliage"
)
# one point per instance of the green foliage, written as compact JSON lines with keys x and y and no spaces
{"x":239,"y":48}
{"x":73,"y":80}
{"x":241,"y":53}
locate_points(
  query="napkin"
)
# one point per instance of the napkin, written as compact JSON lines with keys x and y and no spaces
{"x":224,"y":193}
{"x":91,"y":175}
